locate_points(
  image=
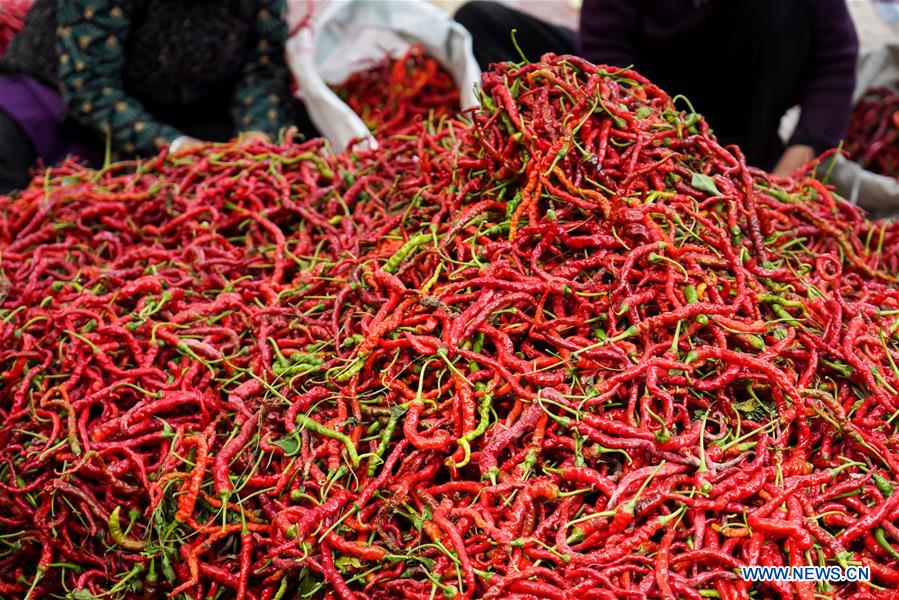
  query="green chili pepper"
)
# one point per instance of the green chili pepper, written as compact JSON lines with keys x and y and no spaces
{"x":753,"y":340}
{"x":483,"y":421}
{"x":307,"y":423}
{"x":393,"y":263}
{"x":167,"y":570}
{"x":512,"y":204}
{"x":118,"y":536}
{"x":396,"y":413}
{"x":883,"y":484}
{"x":692,"y":297}
{"x":353,"y":340}
{"x":880,"y":536}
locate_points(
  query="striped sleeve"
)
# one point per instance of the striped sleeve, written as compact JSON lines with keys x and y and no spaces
{"x":90,"y":37}
{"x":261,"y":99}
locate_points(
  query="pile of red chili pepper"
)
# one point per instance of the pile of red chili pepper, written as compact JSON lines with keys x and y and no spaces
{"x":395,"y":94}
{"x":12,"y":20}
{"x":564,"y":346}
{"x":873,"y":139}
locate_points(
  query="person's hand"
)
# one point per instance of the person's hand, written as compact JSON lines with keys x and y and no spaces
{"x":793,"y":158}
{"x":291,"y":133}
{"x":184,"y":144}
{"x":248,"y":137}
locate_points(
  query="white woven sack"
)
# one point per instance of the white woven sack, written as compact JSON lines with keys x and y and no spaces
{"x":876,"y":193}
{"x":351,"y":35}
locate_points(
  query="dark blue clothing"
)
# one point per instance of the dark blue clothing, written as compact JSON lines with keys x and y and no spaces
{"x":741,"y":63}
{"x":692,"y":46}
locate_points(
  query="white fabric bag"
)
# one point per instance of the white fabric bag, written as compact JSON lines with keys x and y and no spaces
{"x":878,"y":194}
{"x":351,"y":35}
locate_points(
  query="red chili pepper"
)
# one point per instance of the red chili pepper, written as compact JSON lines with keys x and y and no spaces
{"x":873,"y":131}
{"x":221,"y":463}
{"x":626,"y":289}
{"x":870,"y":520}
{"x":246,"y":557}
{"x":439,"y":440}
{"x":387,"y":109}
{"x":191,"y":490}
{"x":12,"y":21}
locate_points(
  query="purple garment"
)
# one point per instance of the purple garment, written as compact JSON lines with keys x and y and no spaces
{"x":40,"y":112}
{"x":614,"y":31}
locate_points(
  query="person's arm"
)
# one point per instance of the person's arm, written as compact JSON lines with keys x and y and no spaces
{"x":608,"y":32}
{"x":829,"y":82}
{"x":794,"y":157}
{"x":261,"y":96}
{"x":91,"y":36}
